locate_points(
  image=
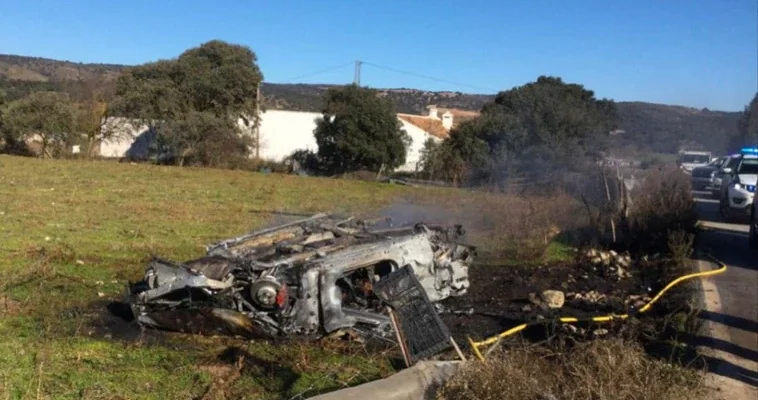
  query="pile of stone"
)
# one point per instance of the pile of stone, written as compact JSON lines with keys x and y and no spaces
{"x":610,"y":263}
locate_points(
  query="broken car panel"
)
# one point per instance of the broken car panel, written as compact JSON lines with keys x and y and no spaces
{"x":310,"y":277}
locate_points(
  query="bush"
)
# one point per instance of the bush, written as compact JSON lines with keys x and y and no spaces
{"x":661,"y":206}
{"x":599,"y":370}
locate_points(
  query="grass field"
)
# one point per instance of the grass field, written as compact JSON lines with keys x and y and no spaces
{"x":75,"y":232}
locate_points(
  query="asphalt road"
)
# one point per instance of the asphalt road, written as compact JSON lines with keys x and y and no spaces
{"x":731,"y":301}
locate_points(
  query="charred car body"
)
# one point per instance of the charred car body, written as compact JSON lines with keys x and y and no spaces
{"x":309,"y":277}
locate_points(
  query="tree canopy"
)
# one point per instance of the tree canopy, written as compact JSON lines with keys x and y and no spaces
{"x":546,"y":121}
{"x":48,"y":116}
{"x":194,"y":102}
{"x":359,"y":131}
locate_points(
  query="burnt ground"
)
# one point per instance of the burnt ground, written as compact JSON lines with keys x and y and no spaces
{"x":498,"y":298}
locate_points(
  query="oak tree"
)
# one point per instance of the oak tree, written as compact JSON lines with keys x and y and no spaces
{"x":546,"y":122}
{"x":195,"y":102}
{"x":45,"y":116}
{"x":359,"y":131}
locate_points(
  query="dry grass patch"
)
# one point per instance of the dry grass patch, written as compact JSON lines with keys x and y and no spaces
{"x":601,"y":370}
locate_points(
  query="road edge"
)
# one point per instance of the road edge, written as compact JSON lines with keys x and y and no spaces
{"x":723,"y":387}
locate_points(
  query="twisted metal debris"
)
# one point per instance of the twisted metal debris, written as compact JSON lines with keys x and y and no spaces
{"x":310,"y":277}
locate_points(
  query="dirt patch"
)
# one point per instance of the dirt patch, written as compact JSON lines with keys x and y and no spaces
{"x":498,"y":298}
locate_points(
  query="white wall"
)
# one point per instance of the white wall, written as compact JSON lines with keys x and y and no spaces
{"x":128,"y":138}
{"x":413,"y":156}
{"x":283,"y":132}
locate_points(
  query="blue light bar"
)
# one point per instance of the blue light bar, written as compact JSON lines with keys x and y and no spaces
{"x":749,"y":150}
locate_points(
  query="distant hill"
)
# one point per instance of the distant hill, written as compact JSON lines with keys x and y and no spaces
{"x":645,"y":126}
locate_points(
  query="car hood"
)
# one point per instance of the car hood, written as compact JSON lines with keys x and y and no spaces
{"x":748,"y":179}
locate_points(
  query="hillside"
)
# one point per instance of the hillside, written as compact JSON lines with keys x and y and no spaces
{"x":646,"y":126}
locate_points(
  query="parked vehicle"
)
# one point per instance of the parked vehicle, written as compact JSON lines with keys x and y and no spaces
{"x":739,"y":185}
{"x":702,"y":176}
{"x":723,"y":171}
{"x":689,"y":160}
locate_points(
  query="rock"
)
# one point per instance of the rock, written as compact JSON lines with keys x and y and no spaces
{"x":613,"y":254}
{"x":600,"y":332}
{"x":553,"y":298}
{"x":527,"y":308}
{"x":79,"y":262}
{"x":570,"y":328}
{"x":591,"y":253}
{"x":593,"y":296}
{"x":596,"y":260}
{"x":549,"y":299}
{"x":540,"y":317}
{"x":548,"y":397}
{"x":624,"y":261}
{"x":638,"y":304}
{"x":622,"y":273}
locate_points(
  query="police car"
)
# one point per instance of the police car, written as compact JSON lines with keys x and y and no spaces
{"x":738,"y":185}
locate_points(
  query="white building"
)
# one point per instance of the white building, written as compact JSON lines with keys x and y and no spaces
{"x":281,"y":133}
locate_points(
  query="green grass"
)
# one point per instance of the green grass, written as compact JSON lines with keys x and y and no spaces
{"x":75,"y":232}
{"x":559,"y":252}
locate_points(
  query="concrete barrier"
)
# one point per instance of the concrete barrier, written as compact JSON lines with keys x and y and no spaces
{"x":419,"y":382}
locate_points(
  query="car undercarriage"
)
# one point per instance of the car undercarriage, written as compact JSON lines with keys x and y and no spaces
{"x":311,"y":277}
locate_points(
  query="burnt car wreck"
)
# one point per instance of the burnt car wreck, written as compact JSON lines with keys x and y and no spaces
{"x":311,"y":277}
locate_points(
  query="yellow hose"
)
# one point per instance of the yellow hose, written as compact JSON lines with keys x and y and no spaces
{"x":476,"y":345}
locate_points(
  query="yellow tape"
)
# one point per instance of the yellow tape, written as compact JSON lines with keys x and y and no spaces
{"x":607,"y":318}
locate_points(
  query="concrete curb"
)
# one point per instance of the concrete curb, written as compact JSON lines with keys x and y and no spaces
{"x":419,"y":382}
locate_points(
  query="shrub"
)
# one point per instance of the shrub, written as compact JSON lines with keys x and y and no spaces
{"x":663,"y":204}
{"x":599,"y":370}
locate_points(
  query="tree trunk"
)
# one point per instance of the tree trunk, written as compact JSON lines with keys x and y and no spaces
{"x":609,"y":206}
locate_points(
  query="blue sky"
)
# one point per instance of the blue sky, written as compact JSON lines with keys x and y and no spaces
{"x":699,"y":53}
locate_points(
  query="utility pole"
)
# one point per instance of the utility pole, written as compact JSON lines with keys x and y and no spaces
{"x":357,"y":78}
{"x":257,"y":139}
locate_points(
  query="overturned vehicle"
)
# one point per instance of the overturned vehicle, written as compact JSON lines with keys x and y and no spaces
{"x":311,"y":277}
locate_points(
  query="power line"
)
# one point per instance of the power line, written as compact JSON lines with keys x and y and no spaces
{"x":325,"y":70}
{"x":428,"y":77}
